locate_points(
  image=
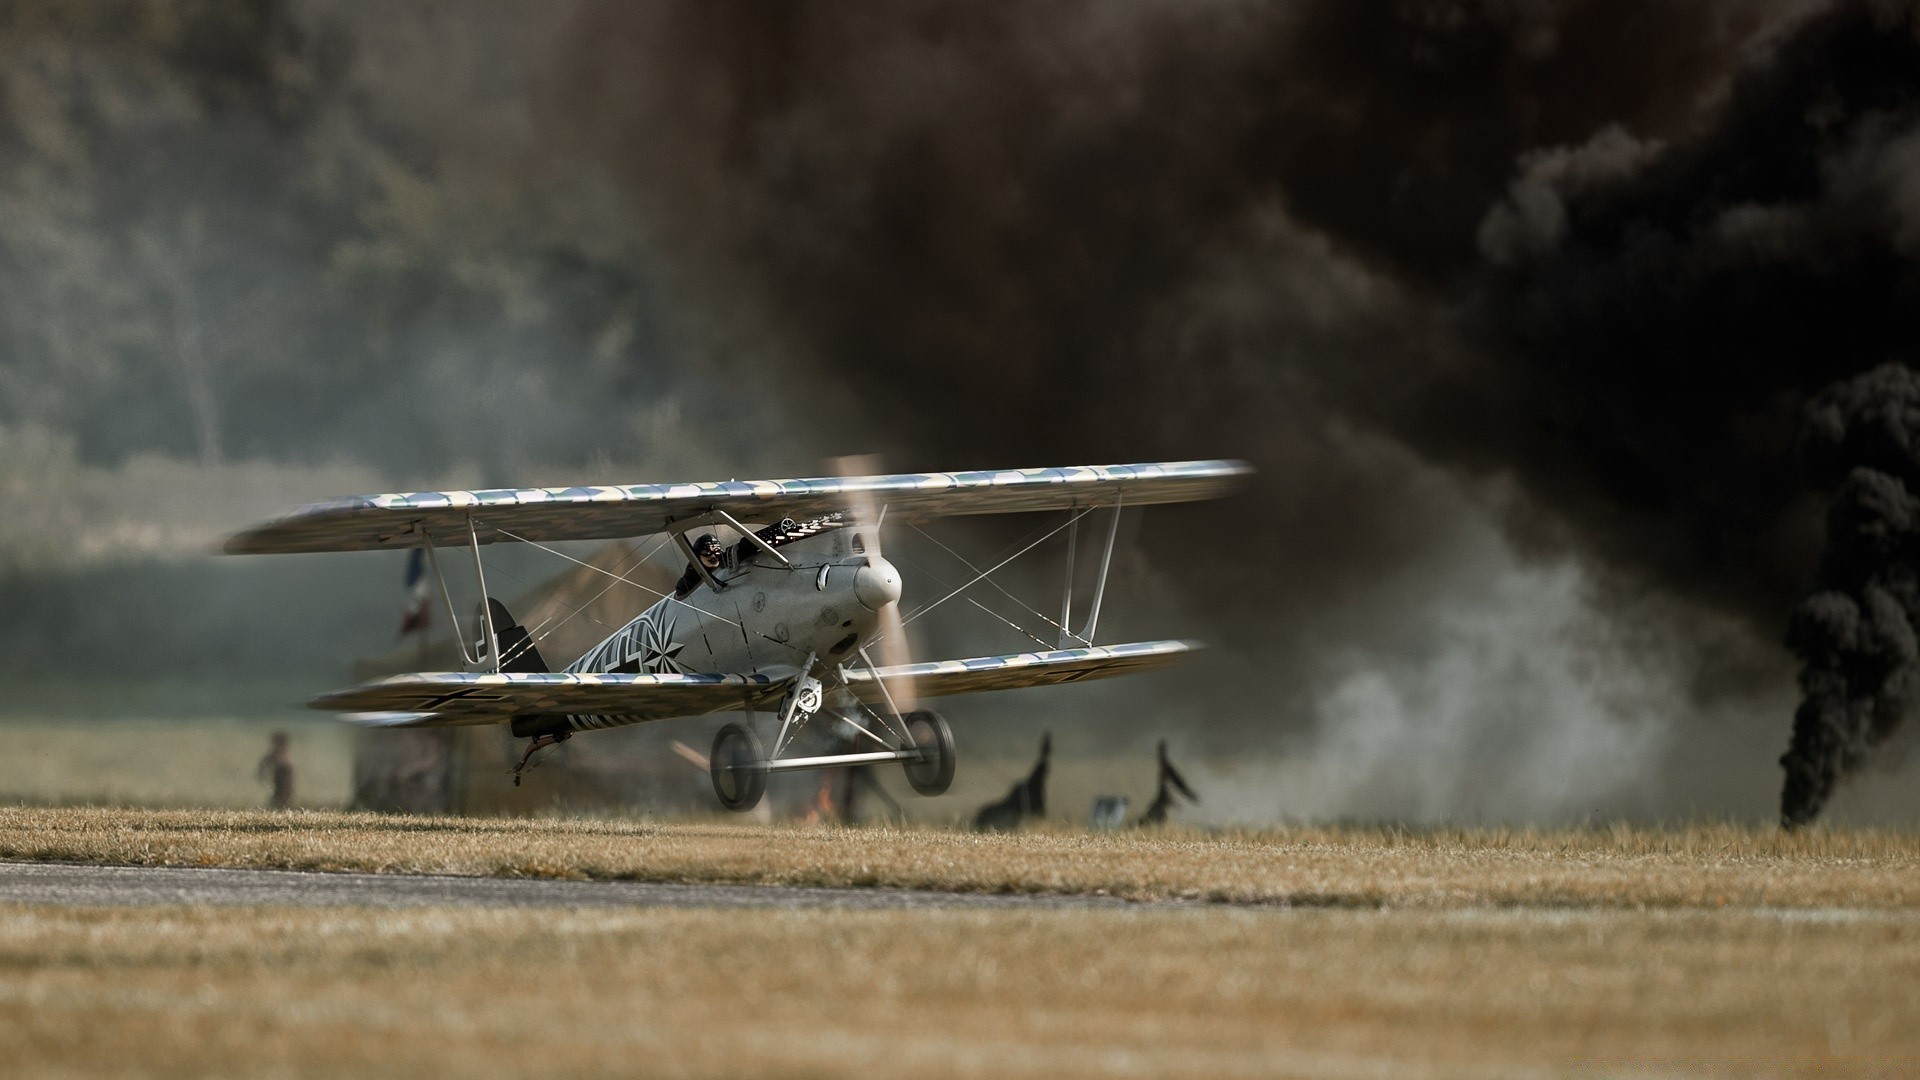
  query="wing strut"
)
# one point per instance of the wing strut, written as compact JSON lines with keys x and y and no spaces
{"x":453,"y":615}
{"x":1106,"y":563}
{"x":1066,"y":600}
{"x":486,"y":607}
{"x":758,"y":540}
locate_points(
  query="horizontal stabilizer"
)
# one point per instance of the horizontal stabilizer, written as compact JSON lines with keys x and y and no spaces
{"x":940,"y":678}
{"x":439,"y":699}
{"x":369,"y":522}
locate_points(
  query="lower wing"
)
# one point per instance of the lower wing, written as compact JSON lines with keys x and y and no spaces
{"x":941,"y":678}
{"x":440,"y":699}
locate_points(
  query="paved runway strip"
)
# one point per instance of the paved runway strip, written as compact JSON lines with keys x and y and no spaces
{"x":75,"y":885}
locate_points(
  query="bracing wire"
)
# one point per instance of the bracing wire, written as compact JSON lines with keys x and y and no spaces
{"x":1003,"y":591}
{"x":996,"y":566}
{"x":611,"y":574}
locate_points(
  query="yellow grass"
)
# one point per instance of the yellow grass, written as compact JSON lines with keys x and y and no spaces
{"x":1701,"y":866}
{"x":1215,"y":992}
{"x":1713,"y":949}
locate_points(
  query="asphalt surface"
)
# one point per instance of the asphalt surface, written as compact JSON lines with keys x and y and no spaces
{"x":146,"y":886}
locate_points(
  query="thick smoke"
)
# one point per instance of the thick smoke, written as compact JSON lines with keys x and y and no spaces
{"x":1608,"y":250}
{"x":1664,"y":320}
{"x":1857,"y":635}
{"x":1659,"y":316}
{"x":996,"y":233}
{"x":1579,"y":263}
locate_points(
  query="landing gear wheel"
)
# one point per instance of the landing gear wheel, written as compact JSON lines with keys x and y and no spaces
{"x":932,"y":771}
{"x":739,"y":767}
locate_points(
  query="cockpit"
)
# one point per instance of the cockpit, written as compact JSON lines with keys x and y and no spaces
{"x":721,"y":563}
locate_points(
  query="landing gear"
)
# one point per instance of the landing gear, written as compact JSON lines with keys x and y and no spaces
{"x":930,"y":770}
{"x":739,"y":767}
{"x":539,"y":743}
{"x":919,"y":740}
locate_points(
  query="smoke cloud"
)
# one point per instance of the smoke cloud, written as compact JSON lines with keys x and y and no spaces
{"x":1607,"y":250}
{"x":1856,"y":635}
{"x":1495,"y":294}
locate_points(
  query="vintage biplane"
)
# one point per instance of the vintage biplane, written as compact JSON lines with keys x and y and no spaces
{"x":786,"y":619}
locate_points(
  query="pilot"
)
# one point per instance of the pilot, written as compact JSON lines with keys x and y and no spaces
{"x":707,"y":549}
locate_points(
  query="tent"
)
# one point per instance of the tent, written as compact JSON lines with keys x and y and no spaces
{"x":434,"y":770}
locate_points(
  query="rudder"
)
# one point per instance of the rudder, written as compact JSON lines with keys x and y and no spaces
{"x":517,"y":650}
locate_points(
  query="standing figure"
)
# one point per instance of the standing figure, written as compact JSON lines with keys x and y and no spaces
{"x":1027,"y":799}
{"x":1170,"y":782}
{"x":277,"y":768}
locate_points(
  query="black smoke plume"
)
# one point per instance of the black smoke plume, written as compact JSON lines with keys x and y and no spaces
{"x":1614,"y":247}
{"x":994,"y":233}
{"x":1668,"y":321}
{"x":1857,"y":634}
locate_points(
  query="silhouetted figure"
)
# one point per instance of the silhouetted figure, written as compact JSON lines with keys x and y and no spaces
{"x":1170,"y":782}
{"x":1027,"y":799}
{"x":277,"y":768}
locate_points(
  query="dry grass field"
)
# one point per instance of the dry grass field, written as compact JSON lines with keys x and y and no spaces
{"x":1354,"y":952}
{"x":1151,"y":992}
{"x":1700,"y":866}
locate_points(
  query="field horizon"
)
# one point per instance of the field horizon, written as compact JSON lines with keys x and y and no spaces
{"x":1706,"y":865}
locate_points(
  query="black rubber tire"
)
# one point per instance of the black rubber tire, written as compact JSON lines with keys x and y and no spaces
{"x":932,"y":772}
{"x":739,"y":767}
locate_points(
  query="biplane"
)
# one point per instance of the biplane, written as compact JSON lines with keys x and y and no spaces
{"x":797,"y":616}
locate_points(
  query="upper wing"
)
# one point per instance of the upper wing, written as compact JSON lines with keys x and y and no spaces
{"x":946,"y":677}
{"x":437,"y":699}
{"x":365,"y":522}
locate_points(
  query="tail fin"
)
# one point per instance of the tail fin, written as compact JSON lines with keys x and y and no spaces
{"x":517,"y":650}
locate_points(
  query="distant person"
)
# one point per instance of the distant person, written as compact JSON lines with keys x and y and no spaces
{"x":1170,"y":782}
{"x":1027,"y":799}
{"x":277,"y":768}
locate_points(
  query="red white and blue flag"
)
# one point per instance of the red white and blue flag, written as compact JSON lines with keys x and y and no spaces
{"x":415,"y":617}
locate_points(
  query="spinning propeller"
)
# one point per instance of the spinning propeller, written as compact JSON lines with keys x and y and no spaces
{"x":877,"y":584}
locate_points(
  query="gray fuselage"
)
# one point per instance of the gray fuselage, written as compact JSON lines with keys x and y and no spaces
{"x":765,"y":618}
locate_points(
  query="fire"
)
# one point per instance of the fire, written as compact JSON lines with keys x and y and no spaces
{"x":824,"y":809}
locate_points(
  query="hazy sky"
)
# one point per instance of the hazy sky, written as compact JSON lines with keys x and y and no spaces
{"x":1518,"y":308}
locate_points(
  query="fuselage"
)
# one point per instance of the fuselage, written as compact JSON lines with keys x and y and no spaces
{"x":765,"y":618}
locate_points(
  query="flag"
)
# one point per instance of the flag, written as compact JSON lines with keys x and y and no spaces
{"x":415,"y":616}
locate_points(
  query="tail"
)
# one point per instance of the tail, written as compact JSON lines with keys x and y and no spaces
{"x":517,"y":650}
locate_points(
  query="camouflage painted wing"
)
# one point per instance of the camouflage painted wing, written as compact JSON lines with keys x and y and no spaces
{"x":440,"y":699}
{"x":368,"y":522}
{"x":940,"y":678}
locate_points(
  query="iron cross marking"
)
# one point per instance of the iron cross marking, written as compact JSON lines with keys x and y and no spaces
{"x":470,"y":694}
{"x":660,"y":653}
